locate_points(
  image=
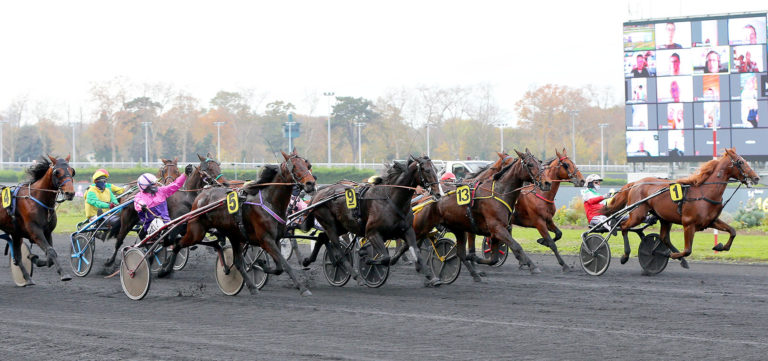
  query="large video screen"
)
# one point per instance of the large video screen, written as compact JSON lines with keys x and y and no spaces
{"x":686,"y":77}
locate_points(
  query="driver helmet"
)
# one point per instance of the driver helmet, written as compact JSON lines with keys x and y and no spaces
{"x":448,"y":176}
{"x":145,"y":180}
{"x":591,"y":179}
{"x":100,"y":173}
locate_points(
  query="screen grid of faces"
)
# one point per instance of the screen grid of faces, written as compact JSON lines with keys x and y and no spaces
{"x":682,"y":77}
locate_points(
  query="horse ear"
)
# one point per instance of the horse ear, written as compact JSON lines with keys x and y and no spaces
{"x":527,"y":151}
{"x":286,"y":156}
{"x":557,"y":153}
{"x":201,"y":158}
{"x":209,"y":155}
{"x":53,"y":160}
{"x":67,"y":158}
{"x":563,"y":153}
{"x":294,"y":151}
{"x":500,"y":155}
{"x":519,"y":155}
{"x":175,"y":160}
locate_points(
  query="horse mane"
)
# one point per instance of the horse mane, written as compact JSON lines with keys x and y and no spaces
{"x":37,"y":171}
{"x":268,"y":174}
{"x":393,"y":172}
{"x":500,"y":173}
{"x":548,"y":161}
{"x":479,"y":170}
{"x":702,"y":174}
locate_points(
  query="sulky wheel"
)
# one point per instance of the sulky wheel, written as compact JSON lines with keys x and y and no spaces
{"x":286,"y":248}
{"x":228,"y":278}
{"x":374,"y":275}
{"x":81,"y":255}
{"x":134,"y":274}
{"x":158,"y":258}
{"x":18,"y":277}
{"x":333,"y":269}
{"x":444,"y":261}
{"x":503,"y":252}
{"x":254,"y":258}
{"x":653,"y":254}
{"x":181,"y":259}
{"x":595,"y":255}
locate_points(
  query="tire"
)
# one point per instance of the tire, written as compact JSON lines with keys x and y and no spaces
{"x":230,"y":284}
{"x":18,"y":277}
{"x":136,"y":284}
{"x":81,"y":255}
{"x":181,"y":259}
{"x":334,"y":272}
{"x":374,"y":275}
{"x":250,"y":255}
{"x":449,"y":267}
{"x":595,"y":255}
{"x":503,"y":252}
{"x":653,"y":254}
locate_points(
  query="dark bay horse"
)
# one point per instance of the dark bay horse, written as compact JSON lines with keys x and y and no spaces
{"x":262,"y":217}
{"x":34,"y":216}
{"x":383,"y":213}
{"x":489,"y":212}
{"x":701,"y":206}
{"x":536,"y":208}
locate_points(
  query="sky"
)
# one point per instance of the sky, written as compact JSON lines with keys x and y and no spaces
{"x":53,"y":51}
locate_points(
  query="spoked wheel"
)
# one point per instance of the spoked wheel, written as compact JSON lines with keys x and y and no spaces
{"x":653,"y":254}
{"x":228,"y":278}
{"x":333,"y":269}
{"x":374,"y":275}
{"x":181,"y":259}
{"x":286,"y":248}
{"x":251,"y":254}
{"x":503,"y":252}
{"x":18,"y":277}
{"x":134,"y":274}
{"x":81,"y":255}
{"x":595,"y":255}
{"x":157,"y":259}
{"x":444,"y":261}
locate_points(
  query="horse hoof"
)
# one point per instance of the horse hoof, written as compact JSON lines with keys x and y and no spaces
{"x":684,"y":263}
{"x":29,"y":283}
{"x":435,"y":282}
{"x":535,"y":270}
{"x":108,"y":263}
{"x":541,"y":241}
{"x":306,"y":293}
{"x":567,"y":269}
{"x":477,"y":279}
{"x":718,"y":247}
{"x":66,"y":278}
{"x":254,"y":291}
{"x":482,"y":274}
{"x":624,"y":258}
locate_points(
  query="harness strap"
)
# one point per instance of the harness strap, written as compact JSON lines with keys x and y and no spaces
{"x":493,"y":196}
{"x":265,"y":208}
{"x":542,"y":198}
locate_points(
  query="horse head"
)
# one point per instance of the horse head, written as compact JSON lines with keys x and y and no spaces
{"x":740,"y":169}
{"x":426,"y":174}
{"x":210,"y":170}
{"x":300,"y":170}
{"x":169,"y":171}
{"x":61,"y":176}
{"x":566,"y":169}
{"x":534,"y":172}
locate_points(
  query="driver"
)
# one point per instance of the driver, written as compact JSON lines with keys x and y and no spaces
{"x":100,"y":196}
{"x":151,"y":203}
{"x":593,"y":200}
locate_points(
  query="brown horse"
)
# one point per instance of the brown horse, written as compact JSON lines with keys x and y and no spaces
{"x":536,"y":209}
{"x":488,"y":213}
{"x":383,"y":213}
{"x":34,"y":216}
{"x":262,"y":217}
{"x":701,"y":205}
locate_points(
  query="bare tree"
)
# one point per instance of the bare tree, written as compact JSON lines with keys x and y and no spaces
{"x":110,"y":98}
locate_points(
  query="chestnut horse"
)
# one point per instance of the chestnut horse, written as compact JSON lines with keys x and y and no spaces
{"x":702,"y":202}
{"x":488,"y":213}
{"x":384,"y":214}
{"x":262,"y":217}
{"x":34,"y":217}
{"x":536,"y":209}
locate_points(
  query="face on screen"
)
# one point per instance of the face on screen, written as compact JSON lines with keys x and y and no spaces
{"x":747,"y":59}
{"x":746,"y":31}
{"x":711,"y":60}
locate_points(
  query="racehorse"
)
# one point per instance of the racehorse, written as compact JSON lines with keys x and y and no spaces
{"x":699,"y":208}
{"x":167,"y":173}
{"x":34,"y":216}
{"x":382,"y":213}
{"x":488,"y":212}
{"x":261,"y":220}
{"x":536,"y":209}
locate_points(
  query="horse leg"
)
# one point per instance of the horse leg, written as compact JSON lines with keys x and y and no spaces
{"x":541,"y":226}
{"x":338,"y":253}
{"x":322,"y":239}
{"x":125,"y":226}
{"x":399,"y":252}
{"x":461,"y":252}
{"x":380,"y":245}
{"x":295,"y":246}
{"x":239,"y":262}
{"x":421,"y":265}
{"x":16,"y":251}
{"x":689,"y":230}
{"x":195,"y":232}
{"x":553,"y":228}
{"x":282,"y":264}
{"x":42,"y":239}
{"x":664,"y":234}
{"x":635,"y":217}
{"x":500,"y":233}
{"x":722,"y":226}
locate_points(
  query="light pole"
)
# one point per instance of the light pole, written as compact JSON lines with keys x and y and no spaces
{"x":1,"y":143}
{"x":602,"y":153}
{"x":501,"y":135}
{"x":218,"y":139}
{"x":428,"y":125}
{"x":290,"y":123}
{"x":359,"y":126}
{"x":330,"y":112}
{"x":146,"y":141}
{"x":573,"y":113}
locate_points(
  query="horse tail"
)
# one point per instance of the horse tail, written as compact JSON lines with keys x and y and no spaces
{"x":619,"y":201}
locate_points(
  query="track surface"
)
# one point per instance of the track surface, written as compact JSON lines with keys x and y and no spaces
{"x":711,"y":311}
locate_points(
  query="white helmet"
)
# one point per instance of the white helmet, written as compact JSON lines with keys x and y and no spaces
{"x":145,"y":180}
{"x":593,"y":177}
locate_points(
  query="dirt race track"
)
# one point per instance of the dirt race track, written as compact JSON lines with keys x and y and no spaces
{"x":712,"y":311}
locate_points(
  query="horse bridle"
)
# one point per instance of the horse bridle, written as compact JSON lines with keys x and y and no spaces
{"x":738,"y":163}
{"x":571,"y":174}
{"x":423,"y":180}
{"x":524,"y":162}
{"x":289,"y":166}
{"x":207,"y":177}
{"x":163,"y":169}
{"x":57,"y":181}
